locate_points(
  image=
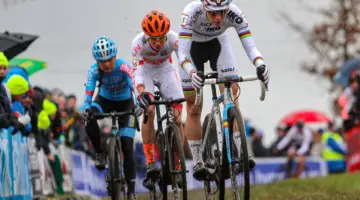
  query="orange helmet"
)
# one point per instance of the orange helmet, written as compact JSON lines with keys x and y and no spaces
{"x":155,"y":24}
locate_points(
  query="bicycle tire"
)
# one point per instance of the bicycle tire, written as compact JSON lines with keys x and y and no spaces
{"x":164,"y":165}
{"x":209,"y":154}
{"x":172,"y":133}
{"x":114,"y":168}
{"x":235,"y":114}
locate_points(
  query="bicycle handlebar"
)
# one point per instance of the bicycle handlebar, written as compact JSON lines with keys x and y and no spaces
{"x":111,"y":114}
{"x":211,"y":79}
{"x":167,"y":102}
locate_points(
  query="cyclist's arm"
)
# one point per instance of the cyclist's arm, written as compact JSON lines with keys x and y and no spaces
{"x":287,"y":139}
{"x":90,"y":86}
{"x":138,"y":63}
{"x":185,"y":40}
{"x":306,"y":142}
{"x":243,"y":30}
{"x":174,"y":39}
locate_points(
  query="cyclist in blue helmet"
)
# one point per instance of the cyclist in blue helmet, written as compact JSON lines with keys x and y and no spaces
{"x":115,"y":78}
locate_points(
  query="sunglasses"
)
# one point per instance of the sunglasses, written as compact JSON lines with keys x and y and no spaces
{"x":218,"y":12}
{"x":161,"y":39}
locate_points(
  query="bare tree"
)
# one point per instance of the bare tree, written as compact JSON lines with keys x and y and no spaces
{"x":334,"y":40}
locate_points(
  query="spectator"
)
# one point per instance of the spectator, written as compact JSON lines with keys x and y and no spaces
{"x":317,"y":146}
{"x":5,"y":109}
{"x":256,"y":143}
{"x":334,"y":150}
{"x":300,"y":138}
{"x":280,"y":132}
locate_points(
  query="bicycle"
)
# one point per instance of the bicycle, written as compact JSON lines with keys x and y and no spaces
{"x":225,"y":162}
{"x":171,"y":153}
{"x":115,"y":175}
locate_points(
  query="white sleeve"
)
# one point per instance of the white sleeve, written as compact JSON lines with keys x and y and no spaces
{"x":306,"y":142}
{"x":185,"y":40}
{"x":174,"y":40}
{"x":286,"y":140}
{"x":137,"y":60}
{"x":237,"y":18}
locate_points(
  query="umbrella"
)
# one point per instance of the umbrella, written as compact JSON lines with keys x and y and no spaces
{"x":307,"y":116}
{"x":30,"y":65}
{"x":12,"y":44}
{"x":345,"y":70}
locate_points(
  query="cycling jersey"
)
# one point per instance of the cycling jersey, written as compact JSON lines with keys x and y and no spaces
{"x":196,"y":27}
{"x":115,"y":86}
{"x":302,"y":140}
{"x":154,"y":68}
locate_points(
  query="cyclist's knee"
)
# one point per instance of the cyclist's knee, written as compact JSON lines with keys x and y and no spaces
{"x":177,"y":109}
{"x":192,"y":109}
{"x":235,"y":89}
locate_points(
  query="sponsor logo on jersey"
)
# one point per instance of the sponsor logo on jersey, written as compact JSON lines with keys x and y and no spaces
{"x":234,"y":17}
{"x":184,"y":19}
{"x":136,"y":50}
{"x":228,"y":70}
{"x":212,"y":29}
{"x":195,"y":17}
{"x":126,"y":69}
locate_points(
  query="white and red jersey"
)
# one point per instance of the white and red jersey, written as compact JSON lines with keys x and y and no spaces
{"x":145,"y":56}
{"x":195,"y":26}
{"x":154,"y":68}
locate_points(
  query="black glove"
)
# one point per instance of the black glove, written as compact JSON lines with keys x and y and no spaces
{"x":144,"y":99}
{"x":86,"y":114}
{"x":263,"y":74}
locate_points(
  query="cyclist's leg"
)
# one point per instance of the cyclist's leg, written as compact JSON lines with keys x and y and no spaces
{"x":93,"y":131}
{"x":226,"y":67}
{"x":92,"y":128}
{"x":193,"y":122}
{"x":147,"y":130}
{"x":127,"y":134}
{"x":170,"y":87}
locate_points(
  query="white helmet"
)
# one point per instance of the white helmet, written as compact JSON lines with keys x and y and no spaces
{"x":216,"y":5}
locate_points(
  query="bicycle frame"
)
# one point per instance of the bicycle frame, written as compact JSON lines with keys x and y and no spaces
{"x":222,"y":128}
{"x":228,"y":103}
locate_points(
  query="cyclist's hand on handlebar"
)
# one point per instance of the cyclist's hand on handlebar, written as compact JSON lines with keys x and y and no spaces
{"x":197,"y":80}
{"x":86,"y":114}
{"x":138,"y":111}
{"x":263,"y":74}
{"x":144,"y":99}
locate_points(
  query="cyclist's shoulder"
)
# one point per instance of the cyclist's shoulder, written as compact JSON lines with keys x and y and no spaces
{"x":192,"y":8}
{"x":94,"y":69}
{"x":123,"y":66}
{"x":235,"y":15}
{"x":139,"y":39}
{"x":172,"y":36}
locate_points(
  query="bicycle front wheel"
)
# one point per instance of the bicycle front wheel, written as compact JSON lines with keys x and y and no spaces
{"x":114,"y":186}
{"x":176,"y":158}
{"x":240,"y":160}
{"x":211,"y":157}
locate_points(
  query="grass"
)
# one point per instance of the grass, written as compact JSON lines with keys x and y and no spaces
{"x":334,"y":187}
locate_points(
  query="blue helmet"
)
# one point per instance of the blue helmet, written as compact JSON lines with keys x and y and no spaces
{"x":104,"y":48}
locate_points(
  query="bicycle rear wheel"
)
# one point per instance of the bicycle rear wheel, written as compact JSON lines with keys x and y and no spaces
{"x":114,"y":169}
{"x":211,"y":157}
{"x":240,"y":159}
{"x":176,"y":156}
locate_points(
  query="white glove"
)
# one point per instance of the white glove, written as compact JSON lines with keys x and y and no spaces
{"x":197,"y":81}
{"x":24,"y":119}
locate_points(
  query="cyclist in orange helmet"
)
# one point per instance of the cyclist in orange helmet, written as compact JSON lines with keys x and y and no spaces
{"x":151,"y":51}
